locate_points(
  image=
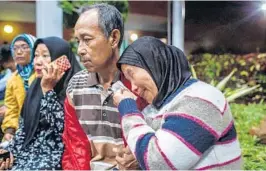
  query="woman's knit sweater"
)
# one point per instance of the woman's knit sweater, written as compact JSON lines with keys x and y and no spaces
{"x":193,"y":130}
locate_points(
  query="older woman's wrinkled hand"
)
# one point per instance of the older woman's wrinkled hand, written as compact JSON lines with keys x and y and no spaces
{"x":51,"y":75}
{"x":121,"y":95}
{"x":125,"y":159}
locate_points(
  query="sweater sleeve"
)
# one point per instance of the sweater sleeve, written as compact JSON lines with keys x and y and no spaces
{"x":180,"y":142}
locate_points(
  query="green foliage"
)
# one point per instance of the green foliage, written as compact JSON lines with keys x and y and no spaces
{"x":245,"y":117}
{"x":72,"y":8}
{"x":230,"y":94}
{"x":221,"y":85}
{"x":249,"y":71}
{"x":241,"y":92}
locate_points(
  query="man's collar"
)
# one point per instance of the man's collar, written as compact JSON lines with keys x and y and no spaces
{"x":93,"y":78}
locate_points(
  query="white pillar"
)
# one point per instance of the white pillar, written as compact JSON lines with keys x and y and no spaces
{"x":49,"y":19}
{"x":169,"y":22}
{"x":178,"y":24}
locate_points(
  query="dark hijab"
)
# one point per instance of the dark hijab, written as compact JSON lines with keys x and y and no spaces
{"x":31,"y":108}
{"x":167,"y":65}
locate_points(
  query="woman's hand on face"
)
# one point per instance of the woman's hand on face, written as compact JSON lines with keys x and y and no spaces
{"x":121,"y":95}
{"x":51,"y":76}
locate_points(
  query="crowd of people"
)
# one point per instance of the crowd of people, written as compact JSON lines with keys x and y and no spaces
{"x":75,"y":119}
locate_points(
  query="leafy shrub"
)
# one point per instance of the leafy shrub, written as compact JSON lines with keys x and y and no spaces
{"x":72,"y":8}
{"x":231,"y":95}
{"x":250,"y":71}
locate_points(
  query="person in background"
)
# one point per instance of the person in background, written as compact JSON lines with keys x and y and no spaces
{"x":8,"y":66}
{"x":6,"y":60}
{"x":38,"y":143}
{"x":188,"y":124}
{"x":18,"y":84}
{"x":5,"y":44}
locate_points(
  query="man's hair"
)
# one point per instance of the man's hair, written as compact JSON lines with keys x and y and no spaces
{"x":109,"y":19}
{"x":5,"y":54}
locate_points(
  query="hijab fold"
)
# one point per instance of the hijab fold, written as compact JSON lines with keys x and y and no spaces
{"x":167,"y":65}
{"x":31,"y":108}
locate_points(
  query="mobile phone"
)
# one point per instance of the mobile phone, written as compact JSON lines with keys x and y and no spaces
{"x":62,"y":63}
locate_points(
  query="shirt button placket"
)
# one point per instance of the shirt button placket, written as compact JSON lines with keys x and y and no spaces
{"x":104,"y":104}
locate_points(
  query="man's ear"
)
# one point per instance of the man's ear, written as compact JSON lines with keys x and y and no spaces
{"x":115,"y":38}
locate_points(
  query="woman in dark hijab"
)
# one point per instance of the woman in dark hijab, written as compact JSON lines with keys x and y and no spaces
{"x":188,"y":124}
{"x":38,"y":144}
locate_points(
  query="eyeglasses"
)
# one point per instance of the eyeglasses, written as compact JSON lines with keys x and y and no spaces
{"x":22,"y":47}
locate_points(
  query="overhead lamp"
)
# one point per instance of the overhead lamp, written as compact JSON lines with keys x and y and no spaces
{"x":134,"y":37}
{"x":8,"y":29}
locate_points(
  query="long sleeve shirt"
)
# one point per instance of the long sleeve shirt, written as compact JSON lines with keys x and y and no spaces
{"x":193,"y":130}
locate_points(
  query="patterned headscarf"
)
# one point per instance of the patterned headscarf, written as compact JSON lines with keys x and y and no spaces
{"x":25,"y":71}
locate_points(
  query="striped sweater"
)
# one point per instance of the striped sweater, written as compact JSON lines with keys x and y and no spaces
{"x":193,"y":130}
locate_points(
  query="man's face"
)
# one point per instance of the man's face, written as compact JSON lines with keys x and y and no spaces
{"x":94,"y":48}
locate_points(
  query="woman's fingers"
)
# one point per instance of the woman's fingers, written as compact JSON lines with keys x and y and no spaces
{"x":7,"y":163}
{"x":127,"y":150}
{"x":60,"y":76}
{"x":118,"y":151}
{"x":50,"y":69}
{"x":120,"y":160}
{"x":2,"y":166}
{"x":11,"y":160}
{"x":45,"y":71}
{"x":55,"y":71}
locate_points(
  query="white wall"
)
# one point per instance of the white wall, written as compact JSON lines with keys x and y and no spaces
{"x":17,"y":11}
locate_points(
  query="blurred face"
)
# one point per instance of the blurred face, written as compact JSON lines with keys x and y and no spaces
{"x":10,"y":64}
{"x":5,"y":65}
{"x":94,"y":49}
{"x":141,"y":82}
{"x":41,"y":58}
{"x":21,"y":52}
